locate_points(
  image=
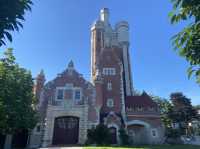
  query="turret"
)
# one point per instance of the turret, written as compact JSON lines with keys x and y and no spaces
{"x":122,"y":29}
{"x":97,"y":43}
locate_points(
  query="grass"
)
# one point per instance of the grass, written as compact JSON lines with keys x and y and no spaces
{"x":151,"y":147}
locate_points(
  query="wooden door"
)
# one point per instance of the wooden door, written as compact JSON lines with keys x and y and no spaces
{"x":66,"y":131}
{"x":113,"y":133}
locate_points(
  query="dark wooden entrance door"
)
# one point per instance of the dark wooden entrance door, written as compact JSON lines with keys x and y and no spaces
{"x":66,"y":130}
{"x":113,"y":133}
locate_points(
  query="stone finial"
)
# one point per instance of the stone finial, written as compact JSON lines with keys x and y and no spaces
{"x":71,"y":64}
{"x":104,"y":15}
{"x":41,"y":72}
{"x":41,"y":76}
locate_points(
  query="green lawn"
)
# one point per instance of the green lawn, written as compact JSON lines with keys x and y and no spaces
{"x":150,"y":147}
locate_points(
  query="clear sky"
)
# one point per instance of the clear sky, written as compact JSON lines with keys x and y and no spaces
{"x":57,"y":31}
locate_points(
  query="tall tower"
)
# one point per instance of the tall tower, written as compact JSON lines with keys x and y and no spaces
{"x":103,"y":36}
{"x":110,"y":58}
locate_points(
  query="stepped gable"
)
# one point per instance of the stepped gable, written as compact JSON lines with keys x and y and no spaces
{"x":143,"y":100}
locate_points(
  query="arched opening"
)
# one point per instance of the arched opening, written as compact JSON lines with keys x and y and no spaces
{"x":66,"y":130}
{"x":113,"y":132}
{"x":137,"y":133}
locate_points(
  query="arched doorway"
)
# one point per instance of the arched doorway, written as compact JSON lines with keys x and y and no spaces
{"x":113,"y":132}
{"x":66,"y":130}
{"x":137,"y":133}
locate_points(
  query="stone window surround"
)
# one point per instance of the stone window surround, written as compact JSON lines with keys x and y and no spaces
{"x":54,"y":112}
{"x":110,"y":103}
{"x":68,"y":86}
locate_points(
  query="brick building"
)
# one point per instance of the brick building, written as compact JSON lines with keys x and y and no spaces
{"x":69,"y":105}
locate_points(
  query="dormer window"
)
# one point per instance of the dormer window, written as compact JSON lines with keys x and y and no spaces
{"x":60,"y":94}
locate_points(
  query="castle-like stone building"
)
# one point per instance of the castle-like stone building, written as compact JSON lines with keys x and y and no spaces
{"x":69,"y":105}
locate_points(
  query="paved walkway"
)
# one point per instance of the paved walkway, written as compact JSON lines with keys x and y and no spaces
{"x":62,"y":148}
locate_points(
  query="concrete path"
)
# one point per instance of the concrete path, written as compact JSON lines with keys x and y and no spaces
{"x":62,"y":148}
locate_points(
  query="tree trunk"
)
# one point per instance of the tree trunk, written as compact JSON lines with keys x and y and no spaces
{"x":8,"y":142}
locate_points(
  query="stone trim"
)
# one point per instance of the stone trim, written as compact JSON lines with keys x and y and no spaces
{"x":53,"y":112}
{"x":133,"y":122}
{"x":117,"y":130}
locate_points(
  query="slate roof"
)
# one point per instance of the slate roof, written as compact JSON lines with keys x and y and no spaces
{"x":143,"y":100}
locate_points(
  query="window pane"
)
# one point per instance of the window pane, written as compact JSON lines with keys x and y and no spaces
{"x":77,"y":95}
{"x":60,"y":94}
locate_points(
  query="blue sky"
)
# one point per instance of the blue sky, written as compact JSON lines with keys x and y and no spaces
{"x":57,"y":31}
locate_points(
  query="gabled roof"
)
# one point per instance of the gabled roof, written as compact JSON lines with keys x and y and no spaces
{"x":143,"y":100}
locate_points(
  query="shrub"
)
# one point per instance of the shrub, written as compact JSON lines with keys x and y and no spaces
{"x":99,"y":135}
{"x":173,"y":136}
{"x":124,"y":137}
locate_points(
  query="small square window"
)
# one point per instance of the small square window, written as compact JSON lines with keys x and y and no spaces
{"x":154,"y":133}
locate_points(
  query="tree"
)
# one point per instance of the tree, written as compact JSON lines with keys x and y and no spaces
{"x":188,"y":40}
{"x":17,"y":111}
{"x":182,"y":112}
{"x":12,"y":13}
{"x":165,"y":107}
{"x":124,"y":137}
{"x":99,"y":135}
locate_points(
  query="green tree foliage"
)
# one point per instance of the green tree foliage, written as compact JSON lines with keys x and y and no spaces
{"x":188,"y":40}
{"x":165,"y":107}
{"x":11,"y":14}
{"x":16,"y":96}
{"x":182,"y":112}
{"x":99,"y":135}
